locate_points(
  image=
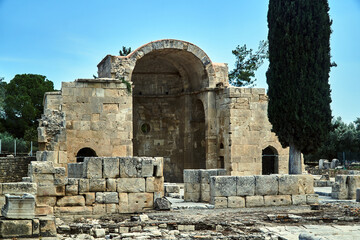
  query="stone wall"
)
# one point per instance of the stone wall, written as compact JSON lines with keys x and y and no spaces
{"x":345,"y":186}
{"x":108,"y":185}
{"x":87,"y":113}
{"x":13,"y":169}
{"x":248,"y":191}
{"x":245,"y":131}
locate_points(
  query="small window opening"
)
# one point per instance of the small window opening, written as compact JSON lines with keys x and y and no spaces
{"x":221,"y":162}
{"x":85,"y":152}
{"x":145,"y":128}
{"x":221,"y":146}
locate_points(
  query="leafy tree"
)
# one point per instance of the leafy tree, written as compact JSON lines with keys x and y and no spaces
{"x":24,"y":104}
{"x":2,"y":104}
{"x":299,"y":91}
{"x":125,"y":51}
{"x":246,"y":64}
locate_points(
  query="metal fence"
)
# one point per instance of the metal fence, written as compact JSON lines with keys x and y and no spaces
{"x":18,"y":147}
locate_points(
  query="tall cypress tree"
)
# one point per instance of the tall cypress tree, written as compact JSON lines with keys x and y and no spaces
{"x":299,"y":90}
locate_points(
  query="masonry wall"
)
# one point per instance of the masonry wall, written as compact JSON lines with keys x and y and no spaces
{"x":13,"y":169}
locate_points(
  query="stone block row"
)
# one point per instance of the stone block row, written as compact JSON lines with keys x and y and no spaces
{"x":263,"y":201}
{"x":43,"y":227}
{"x":345,"y":186}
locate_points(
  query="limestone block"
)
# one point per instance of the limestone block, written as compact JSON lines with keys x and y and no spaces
{"x":12,"y":229}
{"x":62,"y":158}
{"x":254,"y":201}
{"x":341,"y":185}
{"x":19,"y":188}
{"x":45,"y":201}
{"x":223,"y":186}
{"x":147,"y":167}
{"x":50,"y":190}
{"x":305,"y":184}
{"x":84,"y":185}
{"x":138,"y":202}
{"x":99,"y":197}
{"x":191,"y":176}
{"x":60,"y":176}
{"x":219,"y":202}
{"x":129,"y":166}
{"x":111,"y":197}
{"x":192,"y":187}
{"x":171,"y":188}
{"x":266,"y":185}
{"x":245,"y":186}
{"x":111,"y":208}
{"x":353,"y":184}
{"x":236,"y":202}
{"x":47,"y":227}
{"x":44,"y":210}
{"x":192,"y":196}
{"x":68,"y":201}
{"x":123,"y":202}
{"x":288,"y":184}
{"x":97,"y":185}
{"x":99,"y":209}
{"x":45,"y":178}
{"x":221,"y":172}
{"x":298,"y":199}
{"x":43,"y":167}
{"x":89,"y":198}
{"x":205,"y":192}
{"x":111,"y":168}
{"x":72,"y":189}
{"x":277,"y":200}
{"x":92,"y":167}
{"x":158,"y":195}
{"x":130,"y":185}
{"x":17,"y":207}
{"x":77,"y":210}
{"x":111,"y":185}
{"x":75,"y":170}
{"x":312,"y":198}
{"x":158,"y":166}
{"x":154,"y":184}
{"x":35,"y":227}
{"x":205,"y":175}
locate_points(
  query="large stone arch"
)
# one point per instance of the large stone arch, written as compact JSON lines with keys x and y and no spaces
{"x":170,"y":78}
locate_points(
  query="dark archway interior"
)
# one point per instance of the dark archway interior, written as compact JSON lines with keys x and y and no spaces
{"x":166,"y":84}
{"x":269,"y":161}
{"x":85,"y":152}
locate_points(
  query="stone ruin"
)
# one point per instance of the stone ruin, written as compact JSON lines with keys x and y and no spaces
{"x":180,"y":107}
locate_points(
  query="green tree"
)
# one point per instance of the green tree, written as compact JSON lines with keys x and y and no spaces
{"x":125,"y":51}
{"x":2,"y":103}
{"x":24,"y":104}
{"x":246,"y":64}
{"x":299,"y":66}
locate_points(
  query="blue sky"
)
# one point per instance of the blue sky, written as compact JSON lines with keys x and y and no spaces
{"x":65,"y":40}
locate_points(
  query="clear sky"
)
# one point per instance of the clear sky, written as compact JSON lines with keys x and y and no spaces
{"x":65,"y":40}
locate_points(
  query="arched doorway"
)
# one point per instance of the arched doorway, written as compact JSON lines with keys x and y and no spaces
{"x":269,"y":161}
{"x":167,"y":119}
{"x":85,"y":152}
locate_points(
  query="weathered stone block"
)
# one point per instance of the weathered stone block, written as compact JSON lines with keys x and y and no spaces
{"x":111,"y":185}
{"x":35,"y":227}
{"x":111,"y":197}
{"x":138,"y":202}
{"x":277,"y":200}
{"x":97,"y":185}
{"x":89,"y":198}
{"x":266,"y":185}
{"x":75,"y":170}
{"x":42,"y":167}
{"x":219,"y":202}
{"x":192,"y":187}
{"x":129,"y":166}
{"x":298,"y":199}
{"x":45,"y":201}
{"x":171,"y":188}
{"x":147,"y":167}
{"x":158,"y":166}
{"x":47,"y":227}
{"x":191,"y":196}
{"x":111,"y":208}
{"x":93,"y":167}
{"x":353,"y":184}
{"x":245,"y":185}
{"x":254,"y":201}
{"x":223,"y":186}
{"x":111,"y":168}
{"x":72,"y":189}
{"x":123,"y":202}
{"x":77,"y":210}
{"x":44,"y":210}
{"x":130,"y":185}
{"x":205,"y":175}
{"x":71,"y":201}
{"x":19,"y":188}
{"x":191,"y":176}
{"x":99,"y":197}
{"x":154,"y":184}
{"x":15,"y":228}
{"x":312,"y":198}
{"x":236,"y":202}
{"x":288,"y":185}
{"x":305,"y":184}
{"x":84,"y":185}
{"x":17,"y":207}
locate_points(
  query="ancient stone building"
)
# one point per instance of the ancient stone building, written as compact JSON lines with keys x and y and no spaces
{"x":181,"y":107}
